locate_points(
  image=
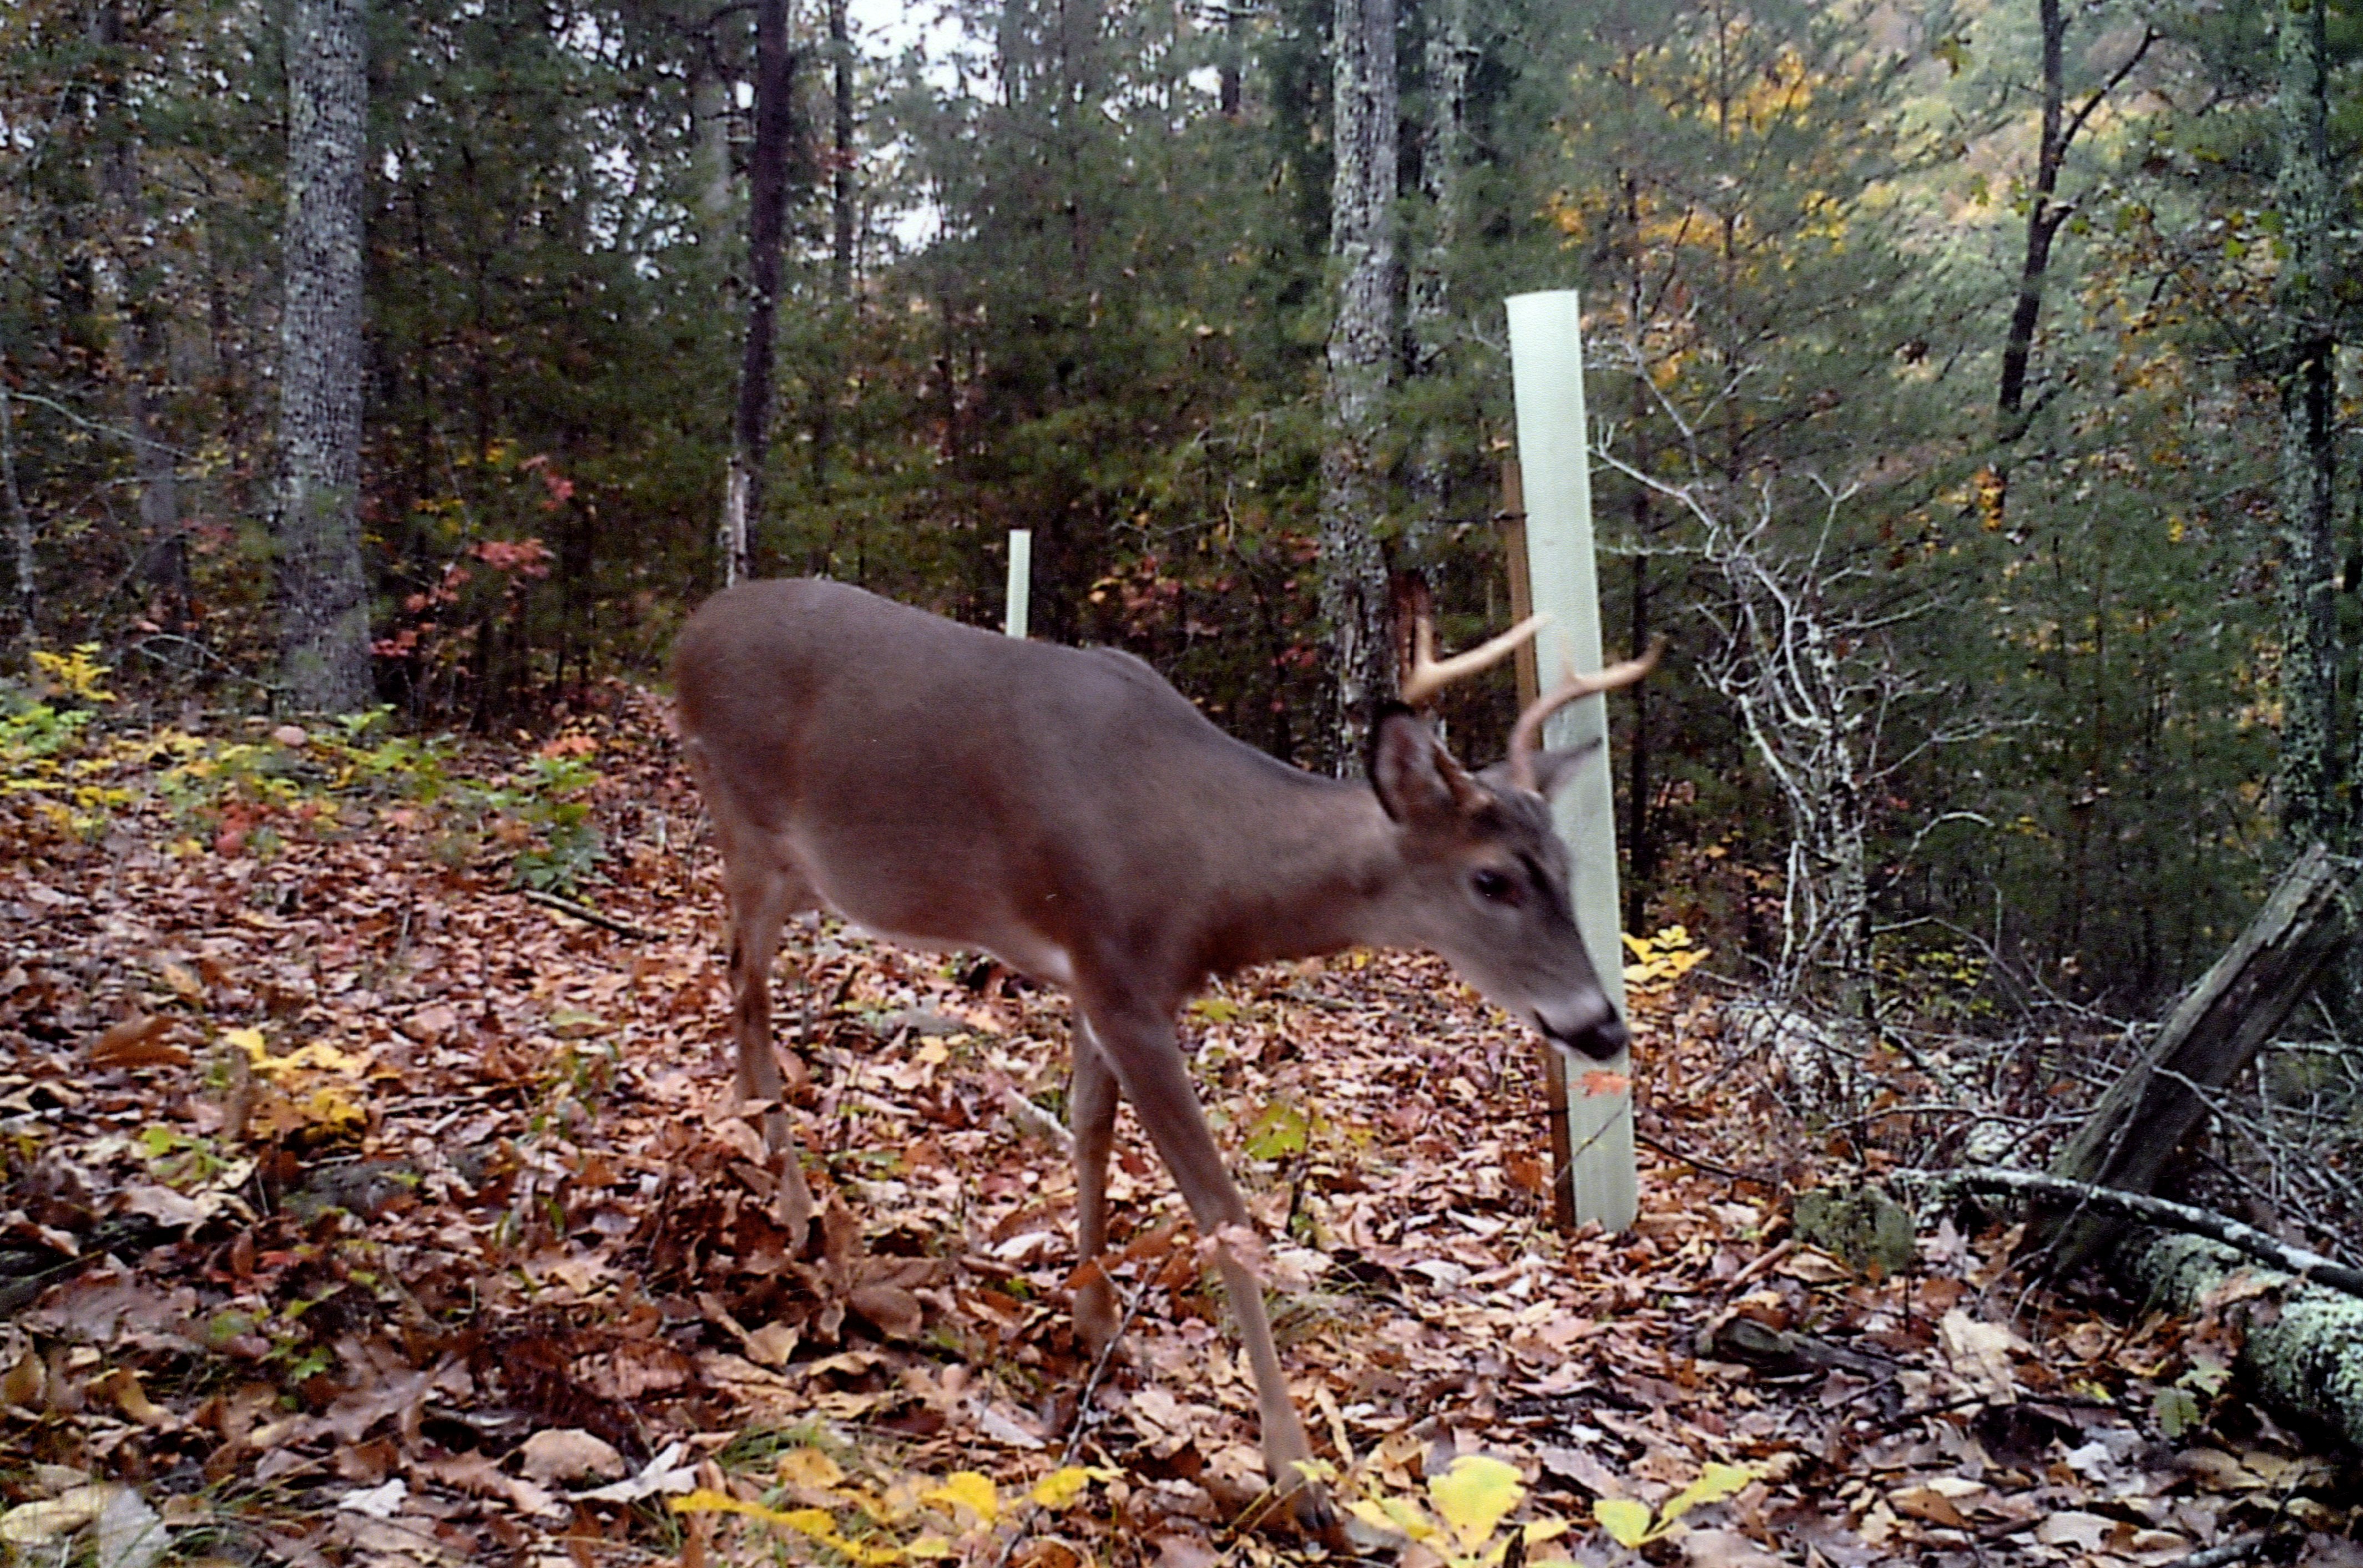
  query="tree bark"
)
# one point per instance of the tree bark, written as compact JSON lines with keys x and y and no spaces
{"x":840,"y":46}
{"x":323,"y":597}
{"x":1427,"y":316}
{"x":2043,"y":220}
{"x":1230,"y":76}
{"x":1354,"y":589}
{"x":767,"y":202}
{"x":709,"y":109}
{"x":20,"y":528}
{"x":2302,"y":303}
{"x":2304,"y":1358}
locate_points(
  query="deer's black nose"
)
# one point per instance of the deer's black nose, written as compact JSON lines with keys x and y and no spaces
{"x":1598,"y":1039}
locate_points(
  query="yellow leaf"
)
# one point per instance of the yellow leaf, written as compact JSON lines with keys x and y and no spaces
{"x":967,"y":1489}
{"x":930,"y":1544}
{"x":814,"y":1522}
{"x":809,"y":1467}
{"x":1397,"y":1514}
{"x":1475,"y":1494}
{"x":329,"y":1107}
{"x":1713,"y":1484}
{"x":1623,"y":1519}
{"x":1060,"y":1488}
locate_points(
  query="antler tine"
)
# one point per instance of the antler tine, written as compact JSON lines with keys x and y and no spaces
{"x":1525,"y":739}
{"x":1429,"y":676}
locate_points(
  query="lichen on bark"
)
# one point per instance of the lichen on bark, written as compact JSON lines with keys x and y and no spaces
{"x":2304,"y":1358}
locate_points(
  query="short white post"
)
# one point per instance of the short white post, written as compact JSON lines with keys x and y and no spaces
{"x":1021,"y":580}
{"x":1554,"y":457}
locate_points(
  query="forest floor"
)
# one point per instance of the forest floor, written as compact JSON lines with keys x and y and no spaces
{"x":359,"y":1210}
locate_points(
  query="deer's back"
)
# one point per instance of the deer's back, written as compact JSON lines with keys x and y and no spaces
{"x":943,"y":784}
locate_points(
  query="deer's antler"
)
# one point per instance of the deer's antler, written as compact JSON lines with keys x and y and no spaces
{"x":1429,"y":675}
{"x":1526,"y":738}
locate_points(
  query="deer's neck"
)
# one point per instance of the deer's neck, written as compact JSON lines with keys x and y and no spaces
{"x":1321,"y":875}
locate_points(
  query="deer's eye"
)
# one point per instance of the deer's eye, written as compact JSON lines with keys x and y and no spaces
{"x":1494,"y":887}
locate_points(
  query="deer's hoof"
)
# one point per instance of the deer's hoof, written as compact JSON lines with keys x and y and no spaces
{"x":1317,"y":1517}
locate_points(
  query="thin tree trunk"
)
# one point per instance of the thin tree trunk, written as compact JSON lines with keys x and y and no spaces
{"x":2043,"y":220}
{"x":1354,"y":589}
{"x":840,"y":44}
{"x":709,"y":109}
{"x":1443,"y":165}
{"x":323,"y":597}
{"x":1230,"y":76}
{"x":2302,"y":193}
{"x":767,"y":179}
{"x":125,"y":292}
{"x":20,"y":528}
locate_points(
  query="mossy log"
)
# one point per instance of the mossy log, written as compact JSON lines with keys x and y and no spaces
{"x":2304,"y":1358}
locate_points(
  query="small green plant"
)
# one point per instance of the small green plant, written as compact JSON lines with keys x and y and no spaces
{"x":553,"y":801}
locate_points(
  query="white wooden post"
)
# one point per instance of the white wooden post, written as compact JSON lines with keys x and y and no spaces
{"x":1554,"y":457}
{"x":1021,"y":580}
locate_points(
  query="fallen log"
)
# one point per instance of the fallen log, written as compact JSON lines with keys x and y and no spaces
{"x":2301,"y":1354}
{"x":2304,"y":1359}
{"x":2310,"y":1267}
{"x":2211,"y":1035}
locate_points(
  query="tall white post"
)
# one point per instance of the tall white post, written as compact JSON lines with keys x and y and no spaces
{"x":1554,"y":457}
{"x":1021,"y":580}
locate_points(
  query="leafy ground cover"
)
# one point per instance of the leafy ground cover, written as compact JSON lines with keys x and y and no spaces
{"x":360,"y":1208}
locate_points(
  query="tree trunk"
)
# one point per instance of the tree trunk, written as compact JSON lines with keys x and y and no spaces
{"x":125,"y":291}
{"x":709,"y":109}
{"x":1354,"y":590}
{"x":323,"y":597}
{"x":767,"y":202}
{"x":20,"y":529}
{"x":840,"y":46}
{"x":1442,"y":173}
{"x":2043,"y":220}
{"x":2303,"y":196}
{"x":1230,"y":76}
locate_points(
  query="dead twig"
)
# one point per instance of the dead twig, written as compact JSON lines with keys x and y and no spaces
{"x":588,"y":915}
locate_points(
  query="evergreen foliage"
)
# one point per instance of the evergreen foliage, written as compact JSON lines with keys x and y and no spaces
{"x":1088,"y":292}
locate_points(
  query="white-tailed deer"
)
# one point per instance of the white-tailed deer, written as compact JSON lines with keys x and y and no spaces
{"x":1069,"y":813}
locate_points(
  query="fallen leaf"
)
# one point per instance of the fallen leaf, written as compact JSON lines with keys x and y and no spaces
{"x":565,"y":1454}
{"x":2073,"y":1527}
{"x":967,"y":1489}
{"x":382,"y":1501}
{"x":137,"y":1042}
{"x":1927,"y":1503}
{"x":131,"y":1533}
{"x":1475,"y":1494}
{"x":29,"y":1524}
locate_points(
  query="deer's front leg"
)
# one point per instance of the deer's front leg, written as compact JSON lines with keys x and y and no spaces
{"x":1091,"y":1115}
{"x":1147,"y":1060}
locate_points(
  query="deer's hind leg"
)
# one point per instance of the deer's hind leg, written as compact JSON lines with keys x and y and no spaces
{"x":763,"y":895}
{"x":1091,"y":1115}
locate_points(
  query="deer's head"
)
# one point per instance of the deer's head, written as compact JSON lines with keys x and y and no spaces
{"x":1487,"y":876}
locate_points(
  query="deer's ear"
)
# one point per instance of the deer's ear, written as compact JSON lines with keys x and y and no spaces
{"x":1554,"y":768}
{"x":1415,"y":779}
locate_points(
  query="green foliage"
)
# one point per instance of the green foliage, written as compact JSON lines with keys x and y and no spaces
{"x":1088,"y":295}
